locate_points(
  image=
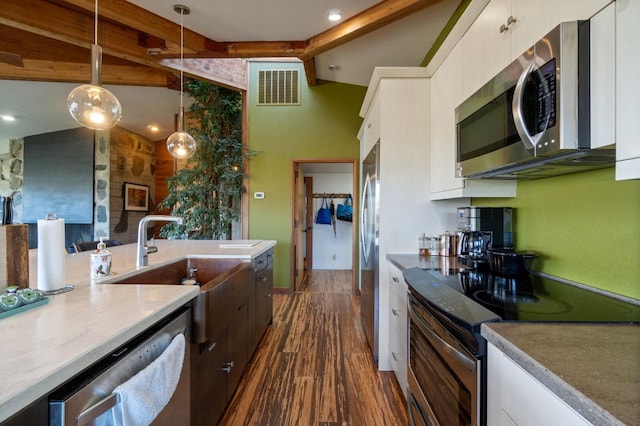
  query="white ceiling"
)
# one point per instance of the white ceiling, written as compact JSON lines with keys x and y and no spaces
{"x":40,"y":107}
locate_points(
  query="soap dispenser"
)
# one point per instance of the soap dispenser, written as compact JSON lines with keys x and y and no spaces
{"x":101,"y":261}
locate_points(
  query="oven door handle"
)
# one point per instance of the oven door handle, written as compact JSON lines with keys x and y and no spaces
{"x":443,"y":347}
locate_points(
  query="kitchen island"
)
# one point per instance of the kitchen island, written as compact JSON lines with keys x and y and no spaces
{"x":46,"y":346}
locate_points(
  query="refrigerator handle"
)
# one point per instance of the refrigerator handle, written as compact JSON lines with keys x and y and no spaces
{"x":363,"y":203}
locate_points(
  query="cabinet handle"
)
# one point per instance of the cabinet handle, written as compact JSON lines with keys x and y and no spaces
{"x":227,"y":367}
{"x":395,"y":279}
{"x":510,"y":20}
{"x":395,"y":356}
{"x":395,"y":312}
{"x":268,"y":295}
{"x":262,"y":279}
{"x":369,"y":125}
{"x":210,"y":348}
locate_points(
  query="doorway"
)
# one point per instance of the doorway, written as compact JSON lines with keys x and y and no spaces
{"x":335,"y":245}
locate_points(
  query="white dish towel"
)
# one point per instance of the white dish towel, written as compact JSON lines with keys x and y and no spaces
{"x":142,"y":398}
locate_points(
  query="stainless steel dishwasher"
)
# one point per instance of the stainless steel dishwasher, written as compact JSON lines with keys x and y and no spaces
{"x":85,"y":398}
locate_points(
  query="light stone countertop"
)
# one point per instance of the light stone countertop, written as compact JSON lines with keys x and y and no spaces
{"x":44,"y":347}
{"x":595,"y":369}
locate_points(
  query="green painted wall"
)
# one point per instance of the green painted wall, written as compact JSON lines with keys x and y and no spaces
{"x":585,"y":226}
{"x":324,"y":126}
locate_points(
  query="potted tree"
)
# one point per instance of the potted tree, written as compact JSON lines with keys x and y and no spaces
{"x":208,"y":191}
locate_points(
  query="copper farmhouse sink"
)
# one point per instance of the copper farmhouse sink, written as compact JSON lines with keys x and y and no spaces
{"x":225,"y":285}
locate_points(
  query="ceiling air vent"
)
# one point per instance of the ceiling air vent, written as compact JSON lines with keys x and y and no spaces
{"x":278,"y":87}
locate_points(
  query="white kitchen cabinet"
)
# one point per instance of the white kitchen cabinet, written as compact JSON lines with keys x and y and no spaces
{"x":514,"y":397}
{"x":400,"y":99}
{"x":398,"y":326}
{"x":507,"y":28}
{"x":627,"y":89}
{"x":446,"y":95}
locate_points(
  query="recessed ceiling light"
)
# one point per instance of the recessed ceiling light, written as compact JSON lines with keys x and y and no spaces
{"x":334,"y":15}
{"x":153,"y":127}
{"x":8,"y":118}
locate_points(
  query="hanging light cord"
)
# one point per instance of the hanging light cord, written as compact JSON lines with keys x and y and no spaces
{"x":181,"y":55}
{"x":95,"y":26}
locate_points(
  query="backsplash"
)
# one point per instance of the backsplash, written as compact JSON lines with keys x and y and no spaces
{"x":585,"y":226}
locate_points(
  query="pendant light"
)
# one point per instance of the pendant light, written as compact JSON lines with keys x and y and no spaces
{"x":92,"y":105}
{"x":180,"y":144}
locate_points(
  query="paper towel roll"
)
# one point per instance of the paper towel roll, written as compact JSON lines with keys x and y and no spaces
{"x":51,"y":254}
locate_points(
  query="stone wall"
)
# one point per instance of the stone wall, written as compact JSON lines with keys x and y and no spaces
{"x":120,"y":156}
{"x":132,"y":160}
{"x":11,"y":160}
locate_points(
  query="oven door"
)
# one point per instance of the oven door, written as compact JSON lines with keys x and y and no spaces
{"x":444,"y":377}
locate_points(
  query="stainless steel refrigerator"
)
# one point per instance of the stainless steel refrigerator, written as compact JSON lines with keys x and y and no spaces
{"x":369,"y":233}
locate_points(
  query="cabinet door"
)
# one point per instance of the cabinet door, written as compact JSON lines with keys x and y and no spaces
{"x":237,"y":347}
{"x":627,"y":89}
{"x":515,"y":397}
{"x":209,"y":387}
{"x":535,"y":18}
{"x":371,"y":124}
{"x":487,"y":50}
{"x":446,"y":95}
{"x":264,"y":302}
{"x":398,"y":326}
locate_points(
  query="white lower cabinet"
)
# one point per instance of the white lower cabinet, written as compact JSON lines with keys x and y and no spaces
{"x":514,"y":397}
{"x":398,"y":326}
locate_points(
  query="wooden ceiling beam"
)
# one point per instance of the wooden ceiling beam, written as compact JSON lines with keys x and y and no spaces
{"x":368,"y":21}
{"x":35,"y":70}
{"x":124,"y":31}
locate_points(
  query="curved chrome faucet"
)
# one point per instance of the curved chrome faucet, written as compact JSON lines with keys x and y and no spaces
{"x":143,"y":250}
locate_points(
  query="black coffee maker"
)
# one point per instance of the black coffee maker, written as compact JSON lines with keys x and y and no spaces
{"x":482,"y":228}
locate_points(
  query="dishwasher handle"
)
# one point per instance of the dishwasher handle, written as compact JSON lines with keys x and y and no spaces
{"x":97,"y":409}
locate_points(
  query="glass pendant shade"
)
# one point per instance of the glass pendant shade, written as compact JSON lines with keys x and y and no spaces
{"x":92,"y":105}
{"x":181,"y":144}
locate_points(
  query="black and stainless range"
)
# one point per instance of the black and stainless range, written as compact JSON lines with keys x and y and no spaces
{"x":447,"y":375}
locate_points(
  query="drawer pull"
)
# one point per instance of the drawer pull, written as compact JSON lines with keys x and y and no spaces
{"x":262,"y":279}
{"x":395,"y":279}
{"x":227,"y":367}
{"x":395,"y":312}
{"x":395,"y":356}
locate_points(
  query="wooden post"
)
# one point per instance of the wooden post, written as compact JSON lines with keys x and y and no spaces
{"x":14,"y":255}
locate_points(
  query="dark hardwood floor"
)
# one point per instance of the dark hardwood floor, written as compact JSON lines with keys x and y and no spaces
{"x":313,"y":366}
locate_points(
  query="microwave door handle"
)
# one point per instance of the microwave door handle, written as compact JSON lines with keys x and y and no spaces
{"x":517,"y":108}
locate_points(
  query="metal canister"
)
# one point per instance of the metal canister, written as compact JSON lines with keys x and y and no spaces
{"x":448,"y":244}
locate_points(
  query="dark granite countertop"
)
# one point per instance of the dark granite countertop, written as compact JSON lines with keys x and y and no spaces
{"x":445,"y":264}
{"x":593,"y":368}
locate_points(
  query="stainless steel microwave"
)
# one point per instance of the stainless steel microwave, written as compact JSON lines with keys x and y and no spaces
{"x":533,"y":120}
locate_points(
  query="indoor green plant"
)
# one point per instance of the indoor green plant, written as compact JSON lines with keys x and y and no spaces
{"x":207,"y":192}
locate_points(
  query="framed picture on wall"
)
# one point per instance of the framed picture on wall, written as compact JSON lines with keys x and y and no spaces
{"x":136,"y":197}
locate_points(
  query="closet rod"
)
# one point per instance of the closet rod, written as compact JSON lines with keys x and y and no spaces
{"x":330,"y":195}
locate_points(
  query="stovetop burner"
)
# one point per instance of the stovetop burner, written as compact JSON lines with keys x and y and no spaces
{"x":533,"y":298}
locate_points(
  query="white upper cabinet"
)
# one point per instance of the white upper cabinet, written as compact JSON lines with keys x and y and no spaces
{"x":627,"y":89}
{"x":507,"y":28}
{"x":446,"y":95}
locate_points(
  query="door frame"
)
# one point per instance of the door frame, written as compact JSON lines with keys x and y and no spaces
{"x":354,"y":230}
